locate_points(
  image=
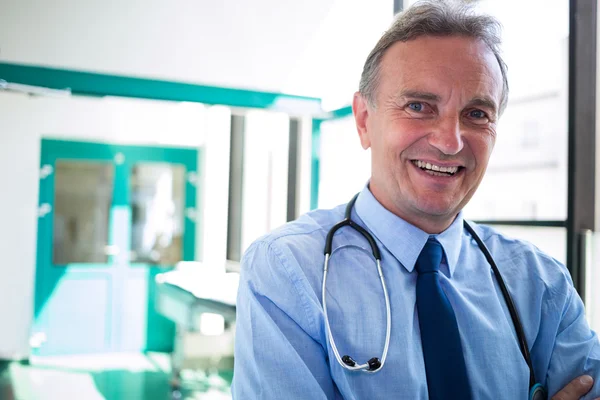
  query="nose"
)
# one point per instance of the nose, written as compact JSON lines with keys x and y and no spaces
{"x":446,"y":135}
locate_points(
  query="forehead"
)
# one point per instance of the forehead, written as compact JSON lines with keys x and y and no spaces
{"x":436,"y":64}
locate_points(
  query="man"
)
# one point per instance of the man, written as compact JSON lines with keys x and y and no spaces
{"x":430,"y":96}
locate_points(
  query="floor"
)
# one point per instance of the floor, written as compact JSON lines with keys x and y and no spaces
{"x":107,"y":377}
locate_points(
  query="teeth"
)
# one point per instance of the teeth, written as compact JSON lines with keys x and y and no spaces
{"x":437,"y":168}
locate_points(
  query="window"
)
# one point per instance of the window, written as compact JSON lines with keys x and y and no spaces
{"x":82,"y":202}
{"x":157,"y":213}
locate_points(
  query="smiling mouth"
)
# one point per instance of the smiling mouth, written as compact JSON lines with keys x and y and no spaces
{"x":437,"y":170}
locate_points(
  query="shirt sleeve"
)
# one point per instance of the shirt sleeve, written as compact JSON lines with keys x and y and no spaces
{"x":277,"y":351}
{"x":576,"y":349}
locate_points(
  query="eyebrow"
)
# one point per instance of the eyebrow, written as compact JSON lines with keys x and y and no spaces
{"x":415,"y":94}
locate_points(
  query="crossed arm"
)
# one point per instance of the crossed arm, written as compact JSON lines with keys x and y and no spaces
{"x":576,"y":389}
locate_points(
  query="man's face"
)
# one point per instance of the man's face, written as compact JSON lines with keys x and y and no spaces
{"x":432,"y":128}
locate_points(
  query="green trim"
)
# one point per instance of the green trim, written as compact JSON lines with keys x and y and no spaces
{"x":95,"y":84}
{"x":84,"y":150}
{"x":315,"y":169}
{"x":192,"y":189}
{"x":341,"y":113}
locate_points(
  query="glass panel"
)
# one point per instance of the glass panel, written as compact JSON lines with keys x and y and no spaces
{"x":552,"y":241}
{"x":83,"y":193}
{"x":157,"y":211}
{"x":527,"y":174}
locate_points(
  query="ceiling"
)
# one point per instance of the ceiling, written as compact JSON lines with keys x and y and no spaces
{"x":313,"y":47}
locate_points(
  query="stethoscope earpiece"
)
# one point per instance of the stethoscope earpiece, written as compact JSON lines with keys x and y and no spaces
{"x":349,"y":361}
{"x":374,"y":364}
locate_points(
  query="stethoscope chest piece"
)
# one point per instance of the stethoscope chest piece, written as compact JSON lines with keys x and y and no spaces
{"x":538,"y":392}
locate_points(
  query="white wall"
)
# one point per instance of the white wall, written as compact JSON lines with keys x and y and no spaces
{"x":25,"y":120}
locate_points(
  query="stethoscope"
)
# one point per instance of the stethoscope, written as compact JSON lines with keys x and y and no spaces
{"x":536,"y":390}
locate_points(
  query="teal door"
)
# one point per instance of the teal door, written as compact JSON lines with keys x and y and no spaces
{"x":111,"y":217}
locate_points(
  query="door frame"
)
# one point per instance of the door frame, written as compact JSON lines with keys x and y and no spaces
{"x":123,"y":156}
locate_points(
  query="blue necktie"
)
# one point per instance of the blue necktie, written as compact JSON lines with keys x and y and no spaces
{"x":442,"y":350}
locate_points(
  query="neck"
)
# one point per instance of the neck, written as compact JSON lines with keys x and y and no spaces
{"x":431,"y":224}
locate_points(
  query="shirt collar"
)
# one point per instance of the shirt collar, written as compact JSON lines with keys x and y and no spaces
{"x":404,"y":240}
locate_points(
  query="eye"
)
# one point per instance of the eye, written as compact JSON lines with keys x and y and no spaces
{"x":418,"y":107}
{"x":477,"y":114}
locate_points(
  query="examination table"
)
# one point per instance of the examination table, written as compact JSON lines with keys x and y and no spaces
{"x":184,"y":295}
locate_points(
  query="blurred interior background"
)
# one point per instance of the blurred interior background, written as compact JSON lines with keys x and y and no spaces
{"x":145,"y":144}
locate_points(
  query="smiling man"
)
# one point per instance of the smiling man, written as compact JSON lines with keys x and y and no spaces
{"x":405,"y":299}
{"x":431,"y":126}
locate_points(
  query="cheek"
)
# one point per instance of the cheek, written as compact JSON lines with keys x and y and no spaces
{"x":399,"y":135}
{"x":391,"y":150}
{"x":482,"y":149}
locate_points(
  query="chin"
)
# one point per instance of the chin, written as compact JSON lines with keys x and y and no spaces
{"x":439,"y":214}
{"x":437,"y":209}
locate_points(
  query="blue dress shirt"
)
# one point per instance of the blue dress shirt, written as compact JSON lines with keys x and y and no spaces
{"x":281,"y":345}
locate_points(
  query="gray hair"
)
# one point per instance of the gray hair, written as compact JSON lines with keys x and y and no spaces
{"x":434,"y":18}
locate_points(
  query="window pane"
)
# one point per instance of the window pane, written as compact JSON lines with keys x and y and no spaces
{"x":345,"y":166}
{"x":157,"y":213}
{"x":527,"y":174}
{"x":552,"y":241}
{"x":83,"y":193}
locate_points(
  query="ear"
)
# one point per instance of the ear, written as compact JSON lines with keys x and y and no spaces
{"x":360,"y":108}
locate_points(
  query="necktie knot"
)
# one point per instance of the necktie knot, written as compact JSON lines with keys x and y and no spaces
{"x":430,"y":258}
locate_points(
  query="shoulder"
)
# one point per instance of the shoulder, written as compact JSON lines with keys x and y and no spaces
{"x":524,"y":260}
{"x":289,"y":260}
{"x":297,"y":243}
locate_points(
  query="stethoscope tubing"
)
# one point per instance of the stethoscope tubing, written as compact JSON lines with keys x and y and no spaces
{"x":376,"y":254}
{"x":512,"y":309}
{"x":362,"y":367}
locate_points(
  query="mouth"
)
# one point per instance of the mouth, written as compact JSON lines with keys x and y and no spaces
{"x":438,"y":170}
